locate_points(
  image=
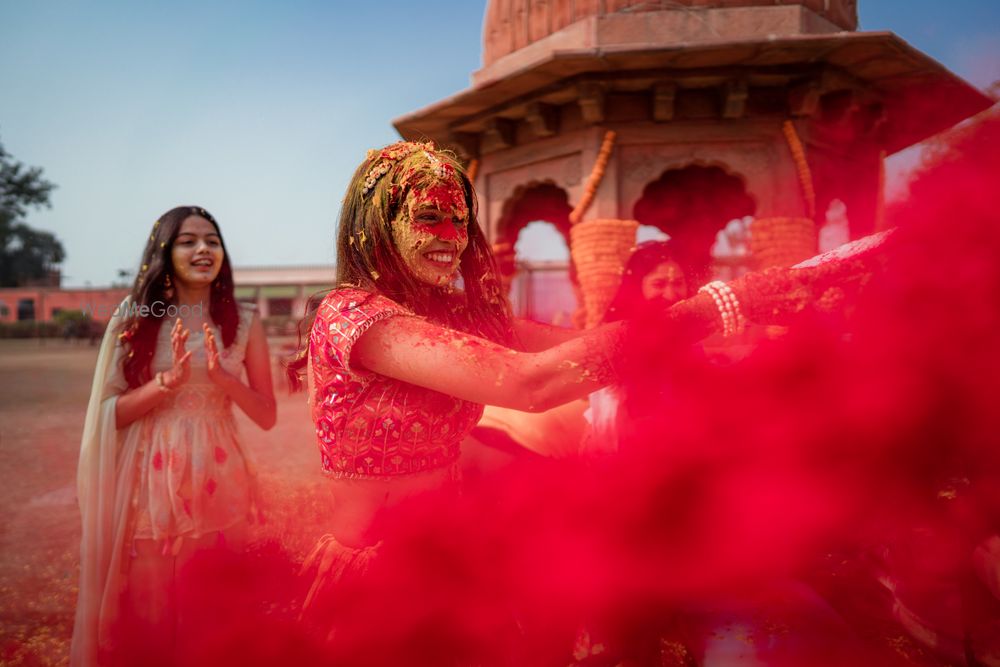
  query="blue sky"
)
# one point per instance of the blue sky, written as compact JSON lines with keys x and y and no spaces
{"x":260,"y":110}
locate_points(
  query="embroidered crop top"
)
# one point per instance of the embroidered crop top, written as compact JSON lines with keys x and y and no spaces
{"x":370,"y":425}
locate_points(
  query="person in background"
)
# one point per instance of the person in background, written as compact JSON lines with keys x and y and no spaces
{"x":652,"y":277}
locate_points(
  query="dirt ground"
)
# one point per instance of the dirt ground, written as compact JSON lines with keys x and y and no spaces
{"x":44,"y":388}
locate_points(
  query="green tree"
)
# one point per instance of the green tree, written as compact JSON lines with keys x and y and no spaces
{"x":26,"y":254}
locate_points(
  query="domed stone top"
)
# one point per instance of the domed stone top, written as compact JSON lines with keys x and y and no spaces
{"x":511,"y":25}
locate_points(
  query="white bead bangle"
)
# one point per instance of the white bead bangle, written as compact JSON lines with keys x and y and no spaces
{"x":739,"y":322}
{"x":733,"y":321}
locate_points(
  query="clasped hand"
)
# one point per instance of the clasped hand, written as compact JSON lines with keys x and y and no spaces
{"x":216,"y":372}
{"x":180,"y":371}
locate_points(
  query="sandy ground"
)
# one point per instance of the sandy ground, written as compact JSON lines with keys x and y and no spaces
{"x":44,"y":388}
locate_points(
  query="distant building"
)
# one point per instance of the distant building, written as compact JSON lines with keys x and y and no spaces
{"x":282,"y":291}
{"x":42,"y":304}
{"x":278,"y":291}
{"x":541,"y":291}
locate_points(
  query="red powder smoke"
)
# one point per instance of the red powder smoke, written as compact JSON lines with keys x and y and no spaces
{"x":823,"y":496}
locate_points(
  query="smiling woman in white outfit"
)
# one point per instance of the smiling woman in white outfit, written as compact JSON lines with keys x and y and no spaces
{"x":162,"y":474}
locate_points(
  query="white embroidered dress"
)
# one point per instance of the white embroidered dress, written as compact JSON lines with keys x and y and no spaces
{"x":177,"y":472}
{"x":193,"y":477}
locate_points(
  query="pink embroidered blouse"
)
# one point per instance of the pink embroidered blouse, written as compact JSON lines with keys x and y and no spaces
{"x":368,"y":425}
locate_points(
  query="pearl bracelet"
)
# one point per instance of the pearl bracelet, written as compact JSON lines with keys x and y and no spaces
{"x":721,"y":305}
{"x":739,"y":320}
{"x":733,"y":321}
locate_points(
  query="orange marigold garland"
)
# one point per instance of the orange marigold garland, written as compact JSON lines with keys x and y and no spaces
{"x":600,"y":249}
{"x":802,"y":166}
{"x":590,"y":189}
{"x":782,"y":241}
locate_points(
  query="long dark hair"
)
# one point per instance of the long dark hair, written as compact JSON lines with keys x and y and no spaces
{"x":628,"y":300}
{"x":141,"y":326}
{"x":367,"y":257}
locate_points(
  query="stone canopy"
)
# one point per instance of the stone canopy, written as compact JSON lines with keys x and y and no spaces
{"x":669,"y":49}
{"x":777,"y":111}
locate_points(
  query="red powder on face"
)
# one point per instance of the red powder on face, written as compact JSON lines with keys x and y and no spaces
{"x":446,"y":196}
{"x":446,"y":230}
{"x":435,"y":210}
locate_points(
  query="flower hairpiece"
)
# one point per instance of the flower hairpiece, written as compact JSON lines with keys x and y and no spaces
{"x":387,"y":157}
{"x":442,"y":170}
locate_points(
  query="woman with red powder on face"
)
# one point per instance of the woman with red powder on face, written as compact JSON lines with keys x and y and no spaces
{"x":400,"y":360}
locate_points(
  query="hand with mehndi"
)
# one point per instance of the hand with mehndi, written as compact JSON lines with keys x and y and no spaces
{"x":774,"y":295}
{"x":216,"y":372}
{"x":181,"y":368}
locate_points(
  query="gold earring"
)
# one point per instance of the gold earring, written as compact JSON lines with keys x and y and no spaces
{"x":168,"y":289}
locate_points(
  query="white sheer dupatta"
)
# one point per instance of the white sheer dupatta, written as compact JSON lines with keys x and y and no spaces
{"x":106,"y":477}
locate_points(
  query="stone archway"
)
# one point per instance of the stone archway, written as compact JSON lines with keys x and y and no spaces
{"x":537,"y":201}
{"x":692,"y":204}
{"x":534,"y":202}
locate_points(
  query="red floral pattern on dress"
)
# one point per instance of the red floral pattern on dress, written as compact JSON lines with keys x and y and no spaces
{"x":191,"y":437}
{"x":369,"y":425}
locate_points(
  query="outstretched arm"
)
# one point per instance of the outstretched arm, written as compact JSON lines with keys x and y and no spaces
{"x":471,"y":368}
{"x":474,"y":369}
{"x":534,"y":336}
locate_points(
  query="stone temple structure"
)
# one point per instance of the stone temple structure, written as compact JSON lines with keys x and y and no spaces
{"x":702,"y":95}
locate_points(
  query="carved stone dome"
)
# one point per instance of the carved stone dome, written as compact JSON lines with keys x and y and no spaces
{"x":511,"y":25}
